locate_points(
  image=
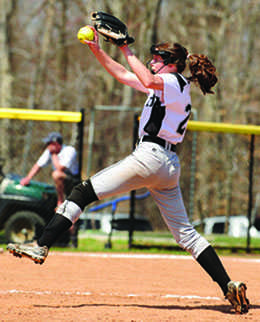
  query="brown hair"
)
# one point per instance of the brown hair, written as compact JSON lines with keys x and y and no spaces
{"x":203,"y":72}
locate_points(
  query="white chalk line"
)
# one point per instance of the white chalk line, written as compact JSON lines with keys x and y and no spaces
{"x":123,"y":255}
{"x":68,"y":293}
{"x":146,"y":256}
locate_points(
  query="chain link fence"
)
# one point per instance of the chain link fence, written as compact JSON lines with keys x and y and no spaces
{"x":220,"y":172}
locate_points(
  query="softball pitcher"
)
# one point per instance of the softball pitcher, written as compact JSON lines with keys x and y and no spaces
{"x":154,"y":164}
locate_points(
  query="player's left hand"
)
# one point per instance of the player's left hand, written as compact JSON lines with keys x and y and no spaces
{"x":111,"y":28}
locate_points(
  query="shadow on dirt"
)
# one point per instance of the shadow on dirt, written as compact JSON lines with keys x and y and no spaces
{"x":220,"y":308}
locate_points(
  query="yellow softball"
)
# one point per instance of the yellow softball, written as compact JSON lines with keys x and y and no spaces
{"x":85,"y":33}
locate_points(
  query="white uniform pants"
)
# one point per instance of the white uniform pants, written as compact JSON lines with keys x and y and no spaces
{"x":157,"y":169}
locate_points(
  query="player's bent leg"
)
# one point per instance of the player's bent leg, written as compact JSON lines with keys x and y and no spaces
{"x":67,"y":214}
{"x":173,"y":211}
{"x":39,"y":251}
{"x":83,"y":194}
{"x":210,"y":262}
{"x":235,"y":292}
{"x":208,"y":259}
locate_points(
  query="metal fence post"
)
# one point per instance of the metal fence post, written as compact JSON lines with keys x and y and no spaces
{"x":193,"y":167}
{"x":81,"y":140}
{"x":250,"y":190}
{"x":133,"y":193}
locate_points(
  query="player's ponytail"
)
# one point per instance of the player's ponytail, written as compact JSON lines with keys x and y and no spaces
{"x":203,"y":72}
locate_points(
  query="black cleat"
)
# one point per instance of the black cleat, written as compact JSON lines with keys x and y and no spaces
{"x":236,"y":295}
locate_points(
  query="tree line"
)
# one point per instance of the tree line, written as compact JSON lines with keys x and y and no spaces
{"x":44,"y":66}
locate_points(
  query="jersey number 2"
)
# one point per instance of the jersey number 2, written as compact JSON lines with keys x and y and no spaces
{"x":183,"y":124}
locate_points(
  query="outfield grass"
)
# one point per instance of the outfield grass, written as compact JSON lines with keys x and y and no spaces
{"x":158,"y":242}
{"x":162,"y":242}
{"x":155,"y":242}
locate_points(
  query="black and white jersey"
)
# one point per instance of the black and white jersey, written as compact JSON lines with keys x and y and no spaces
{"x":166,"y":113}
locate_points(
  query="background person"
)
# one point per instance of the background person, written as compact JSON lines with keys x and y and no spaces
{"x":65,"y":172}
{"x":64,"y":161}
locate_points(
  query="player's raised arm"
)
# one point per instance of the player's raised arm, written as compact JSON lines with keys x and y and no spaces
{"x":114,"y":68}
{"x":146,"y":77}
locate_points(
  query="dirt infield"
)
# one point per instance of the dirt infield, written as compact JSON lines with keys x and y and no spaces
{"x":118,"y":287}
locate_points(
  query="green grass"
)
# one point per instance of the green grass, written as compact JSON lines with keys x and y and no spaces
{"x":158,"y":242}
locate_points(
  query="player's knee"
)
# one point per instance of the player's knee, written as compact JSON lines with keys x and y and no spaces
{"x":54,"y":175}
{"x":83,"y":194}
{"x":192,"y":241}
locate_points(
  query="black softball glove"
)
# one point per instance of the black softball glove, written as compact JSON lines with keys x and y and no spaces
{"x":111,"y":28}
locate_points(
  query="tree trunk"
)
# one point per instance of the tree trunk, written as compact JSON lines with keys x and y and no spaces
{"x":7,"y":8}
{"x":38,"y":83}
{"x":62,"y":59}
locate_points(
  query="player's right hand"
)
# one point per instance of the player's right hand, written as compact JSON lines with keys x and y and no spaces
{"x":93,"y":43}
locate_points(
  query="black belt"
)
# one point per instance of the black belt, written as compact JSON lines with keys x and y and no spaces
{"x":160,"y":141}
